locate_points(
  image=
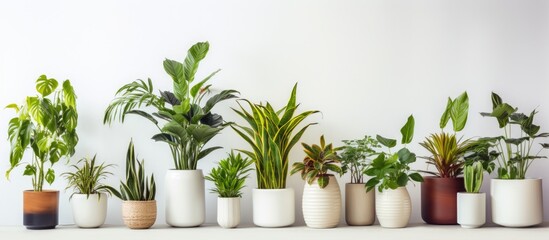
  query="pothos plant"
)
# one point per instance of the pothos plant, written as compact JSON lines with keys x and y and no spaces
{"x":355,"y":156}
{"x":391,"y":170}
{"x":46,"y":124}
{"x":189,"y":123}
{"x":513,"y":153}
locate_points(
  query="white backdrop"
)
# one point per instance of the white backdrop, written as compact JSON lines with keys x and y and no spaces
{"x":366,"y":65}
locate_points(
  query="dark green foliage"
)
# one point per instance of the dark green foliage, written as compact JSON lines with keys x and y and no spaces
{"x":355,"y":156}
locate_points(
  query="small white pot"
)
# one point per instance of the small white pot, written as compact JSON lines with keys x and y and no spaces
{"x":359,"y":205}
{"x":517,"y":203}
{"x":185,"y":198}
{"x":471,"y":209}
{"x":89,"y":212}
{"x":393,"y":207}
{"x":322,"y":206}
{"x":273,"y":207}
{"x":228,"y":212}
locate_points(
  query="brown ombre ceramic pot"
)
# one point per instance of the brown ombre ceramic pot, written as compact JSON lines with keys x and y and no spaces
{"x":438,"y":199}
{"x":40,"y":209}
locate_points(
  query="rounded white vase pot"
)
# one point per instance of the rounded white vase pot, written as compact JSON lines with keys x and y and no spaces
{"x":228,"y":212}
{"x":471,"y":209}
{"x":393,"y":207}
{"x":185,"y":198}
{"x":359,"y":205}
{"x":517,"y":203}
{"x":89,"y":211}
{"x":273,"y":207}
{"x":322,"y":206}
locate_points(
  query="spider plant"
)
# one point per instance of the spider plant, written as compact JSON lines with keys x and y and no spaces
{"x":189,"y":124}
{"x":230,"y":175}
{"x":270,"y":135}
{"x":87,"y":177}
{"x":137,"y":187}
{"x":318,"y":161}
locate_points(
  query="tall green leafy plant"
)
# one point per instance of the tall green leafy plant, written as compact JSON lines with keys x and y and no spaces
{"x":271,"y":136}
{"x":188,"y":121}
{"x":391,"y":170}
{"x":45,"y":123}
{"x":447,"y":150}
{"x":230,"y":175}
{"x":87,"y":176}
{"x":514,"y":149}
{"x":355,"y":156}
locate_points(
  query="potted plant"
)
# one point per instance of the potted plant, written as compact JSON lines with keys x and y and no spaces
{"x":271,"y":137}
{"x":321,"y":197}
{"x":45,"y":123}
{"x":438,"y":192}
{"x":471,"y":205}
{"x":89,"y":197}
{"x":229,"y":178}
{"x":359,"y":204}
{"x":189,"y":125}
{"x":137,"y":193}
{"x":391,"y":173}
{"x":515,"y":153}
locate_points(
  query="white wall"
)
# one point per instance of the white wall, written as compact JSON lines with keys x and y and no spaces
{"x":365,"y":64}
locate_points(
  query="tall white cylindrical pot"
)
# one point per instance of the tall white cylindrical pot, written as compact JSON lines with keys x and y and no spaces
{"x":517,"y":203}
{"x":359,"y":205}
{"x":228,"y":212}
{"x":322,"y":206}
{"x":471,"y":209}
{"x":185,"y":198}
{"x":393,"y":207}
{"x":273,"y":207}
{"x":89,"y":212}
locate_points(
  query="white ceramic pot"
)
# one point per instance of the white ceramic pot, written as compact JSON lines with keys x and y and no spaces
{"x":228,"y":212}
{"x":359,"y":205}
{"x":393,"y":207}
{"x":89,"y":212}
{"x":273,"y":207}
{"x":517,"y":203}
{"x":322,"y":206}
{"x":471,"y":209}
{"x":185,"y":198}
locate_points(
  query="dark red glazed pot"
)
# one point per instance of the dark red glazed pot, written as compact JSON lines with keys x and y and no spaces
{"x":439,"y":199}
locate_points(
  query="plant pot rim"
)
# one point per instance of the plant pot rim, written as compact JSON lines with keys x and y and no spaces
{"x":350,"y":183}
{"x":97,"y":193}
{"x":43,"y":191}
{"x":470,"y":193}
{"x":193,"y":170}
{"x":272,"y":189}
{"x":517,"y":180}
{"x":441,"y":178}
{"x":229,"y":197}
{"x":134,"y":201}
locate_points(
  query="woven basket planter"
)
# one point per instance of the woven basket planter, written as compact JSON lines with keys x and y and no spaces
{"x":139,"y":214}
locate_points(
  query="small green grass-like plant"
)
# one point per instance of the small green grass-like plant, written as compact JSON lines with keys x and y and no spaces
{"x":318,"y":161}
{"x":355,"y":156}
{"x":230,"y":175}
{"x":473,"y":175}
{"x":87,"y":177}
{"x":137,"y":187}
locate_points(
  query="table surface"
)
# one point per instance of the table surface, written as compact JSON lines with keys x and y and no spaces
{"x":248,"y":232}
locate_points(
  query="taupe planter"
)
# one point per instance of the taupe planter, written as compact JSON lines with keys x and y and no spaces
{"x":139,"y":214}
{"x":359,"y":205}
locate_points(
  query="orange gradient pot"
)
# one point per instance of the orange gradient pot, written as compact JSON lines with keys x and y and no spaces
{"x":40,"y":209}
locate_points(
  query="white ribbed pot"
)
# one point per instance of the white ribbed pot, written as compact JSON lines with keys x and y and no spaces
{"x":185,"y":198}
{"x":517,"y":203}
{"x":322,"y":206}
{"x":89,"y":212}
{"x":471,"y":209}
{"x":359,"y":205}
{"x":273,"y":207}
{"x":228,"y":212}
{"x":393,"y":207}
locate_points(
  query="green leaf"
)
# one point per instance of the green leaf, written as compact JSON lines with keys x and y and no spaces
{"x":402,"y":179}
{"x":516,"y":141}
{"x":496,"y":100}
{"x":545,"y":145}
{"x":195,"y":54}
{"x":13,"y":106}
{"x":323,"y":181}
{"x":405,"y":156}
{"x":446,"y":115}
{"x":416,"y":177}
{"x":46,"y":86}
{"x":175,"y":70}
{"x":196,"y":88}
{"x":407,"y":130}
{"x":145,"y":115}
{"x":50,"y":176}
{"x":29,"y":170}
{"x":69,"y":97}
{"x":184,"y":107}
{"x":459,"y":112}
{"x":387,"y":142}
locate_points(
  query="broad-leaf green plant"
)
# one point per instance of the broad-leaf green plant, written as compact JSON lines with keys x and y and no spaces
{"x":515,"y":148}
{"x":473,"y":175}
{"x":188,"y":121}
{"x":391,"y":170}
{"x":271,"y":136}
{"x":87,"y":176}
{"x":318,"y":161}
{"x":45,"y":123}
{"x":137,"y":187}
{"x":230,"y":175}
{"x":356,"y":156}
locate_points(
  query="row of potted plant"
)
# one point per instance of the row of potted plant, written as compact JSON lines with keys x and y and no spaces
{"x":46,"y":124}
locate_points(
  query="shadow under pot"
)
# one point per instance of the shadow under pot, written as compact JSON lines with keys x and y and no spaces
{"x":40,"y":209}
{"x":438,"y":199}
